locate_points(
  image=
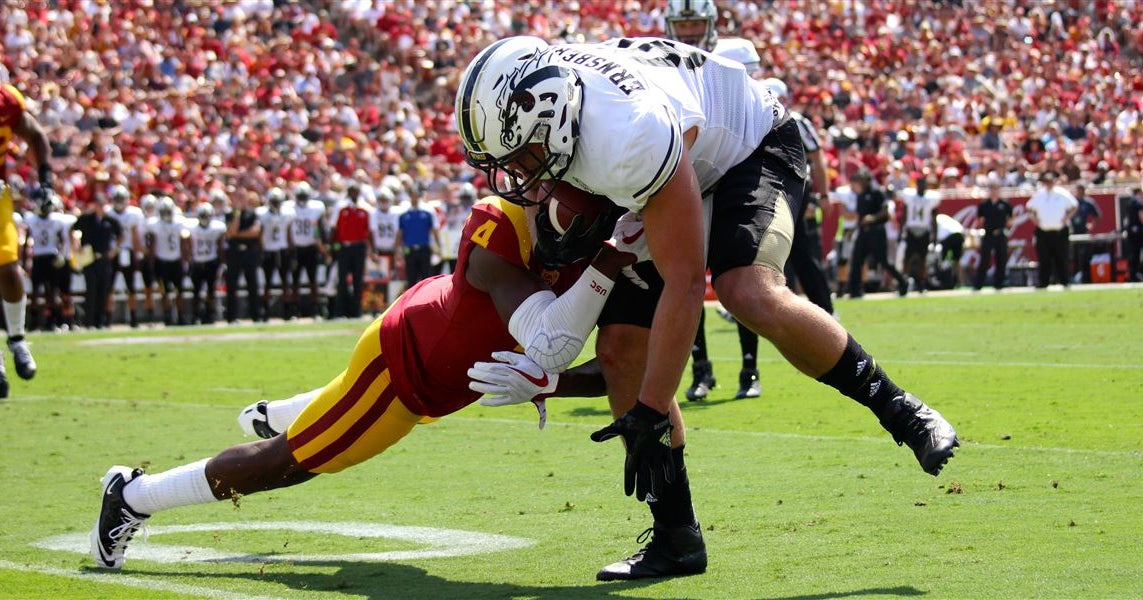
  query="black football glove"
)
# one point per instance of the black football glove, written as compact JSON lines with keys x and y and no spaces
{"x":649,"y":466}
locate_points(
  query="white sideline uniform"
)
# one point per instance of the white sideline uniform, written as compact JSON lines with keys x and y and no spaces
{"x":383,"y":226}
{"x":131,"y":220}
{"x":640,"y":96}
{"x":274,"y":229}
{"x":168,"y":238}
{"x":204,"y":241}
{"x":49,"y":234}
{"x":306,"y":219}
{"x":919,"y":209}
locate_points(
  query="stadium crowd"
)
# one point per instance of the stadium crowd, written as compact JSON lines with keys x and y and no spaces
{"x":201,"y":102}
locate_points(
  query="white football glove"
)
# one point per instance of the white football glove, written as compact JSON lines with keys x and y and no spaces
{"x":628,"y":237}
{"x":513,"y":379}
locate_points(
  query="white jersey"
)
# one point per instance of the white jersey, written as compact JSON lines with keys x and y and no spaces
{"x":204,"y":240}
{"x":49,"y":234}
{"x":383,"y":225}
{"x":919,"y":209}
{"x":739,"y":50}
{"x":168,"y":242}
{"x":274,"y":229}
{"x":640,"y":96}
{"x":131,"y":221}
{"x":306,"y":220}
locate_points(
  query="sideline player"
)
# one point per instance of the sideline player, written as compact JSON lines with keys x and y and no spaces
{"x":408,"y":367}
{"x":133,"y":223}
{"x":207,"y":241}
{"x":307,"y":229}
{"x":48,"y":243}
{"x":632,"y":120}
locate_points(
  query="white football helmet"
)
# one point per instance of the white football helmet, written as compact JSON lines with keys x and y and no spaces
{"x":687,"y":11}
{"x":166,"y":209}
{"x":512,"y":96}
{"x":205,"y":213}
{"x":119,"y":195}
{"x":274,"y":199}
{"x":148,"y":203}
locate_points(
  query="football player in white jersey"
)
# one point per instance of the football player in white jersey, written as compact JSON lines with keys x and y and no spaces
{"x":131,"y":220}
{"x":276,"y":236}
{"x":308,"y":233}
{"x":206,"y":238}
{"x":656,"y":126}
{"x":920,"y":229}
{"x":48,"y":243}
{"x":167,"y":235}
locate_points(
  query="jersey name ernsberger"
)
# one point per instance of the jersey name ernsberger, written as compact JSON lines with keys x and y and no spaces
{"x":641,"y":95}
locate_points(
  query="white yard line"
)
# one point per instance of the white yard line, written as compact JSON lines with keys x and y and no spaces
{"x":962,"y":363}
{"x":695,"y":429}
{"x":131,"y":581}
{"x":215,"y":337}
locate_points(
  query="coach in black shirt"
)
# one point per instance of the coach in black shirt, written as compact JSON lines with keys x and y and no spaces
{"x":103,"y":234}
{"x":243,"y":254}
{"x":994,"y":215}
{"x":871,"y":239}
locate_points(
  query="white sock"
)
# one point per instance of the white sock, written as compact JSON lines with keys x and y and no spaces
{"x":281,"y":413}
{"x":14,"y":313}
{"x":180,"y":486}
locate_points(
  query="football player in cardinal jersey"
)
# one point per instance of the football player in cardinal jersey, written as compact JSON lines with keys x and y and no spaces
{"x":17,"y":121}
{"x":678,"y":137}
{"x":408,"y":367}
{"x":207,"y":237}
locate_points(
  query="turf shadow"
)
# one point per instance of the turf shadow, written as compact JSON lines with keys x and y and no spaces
{"x":901,"y":590}
{"x":393,"y":580}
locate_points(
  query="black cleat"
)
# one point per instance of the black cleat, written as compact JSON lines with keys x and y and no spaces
{"x":22,"y":355}
{"x":672,"y":552}
{"x":703,"y":380}
{"x":748,"y":384}
{"x":927,"y":433}
{"x":3,"y":381}
{"x":255,"y":420}
{"x":117,"y":522}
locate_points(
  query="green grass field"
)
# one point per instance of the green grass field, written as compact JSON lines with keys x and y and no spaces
{"x":800,"y":493}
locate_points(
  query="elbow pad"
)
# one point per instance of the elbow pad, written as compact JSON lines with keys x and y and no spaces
{"x":554,"y":330}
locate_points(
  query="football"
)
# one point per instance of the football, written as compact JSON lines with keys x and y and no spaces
{"x":567,"y":201}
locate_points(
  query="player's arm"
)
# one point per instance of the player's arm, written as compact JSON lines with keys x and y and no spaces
{"x":513,"y":378}
{"x":672,"y":221}
{"x":28,"y":128}
{"x":552,"y":330}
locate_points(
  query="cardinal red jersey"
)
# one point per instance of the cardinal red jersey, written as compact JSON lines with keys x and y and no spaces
{"x":11,"y":110}
{"x":438,"y":328}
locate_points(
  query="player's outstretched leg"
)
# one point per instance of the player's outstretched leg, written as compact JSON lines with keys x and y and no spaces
{"x":118,"y":522}
{"x":819,"y":346}
{"x":130,"y":497}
